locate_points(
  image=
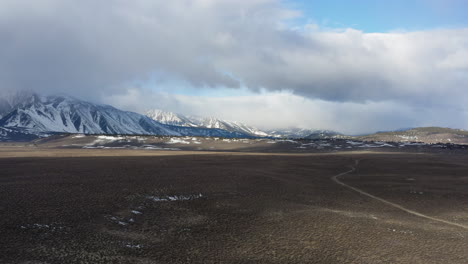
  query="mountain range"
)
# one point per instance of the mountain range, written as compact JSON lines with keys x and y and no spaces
{"x":170,"y":118}
{"x":27,"y":116}
{"x":33,"y":114}
{"x":62,"y":114}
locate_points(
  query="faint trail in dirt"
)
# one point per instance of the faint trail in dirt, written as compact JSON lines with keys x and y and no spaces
{"x":337,"y":180}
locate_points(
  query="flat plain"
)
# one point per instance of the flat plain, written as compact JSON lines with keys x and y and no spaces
{"x":142,"y":206}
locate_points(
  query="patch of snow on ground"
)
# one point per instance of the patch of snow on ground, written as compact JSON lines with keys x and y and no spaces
{"x":44,"y":227}
{"x":408,"y":138}
{"x":411,"y":144}
{"x":369,"y":146}
{"x":110,"y":138}
{"x":288,"y":140}
{"x":105,"y":140}
{"x":118,"y":220}
{"x":177,"y":141}
{"x":174,"y":198}
{"x":137,"y":246}
{"x":79,"y":136}
{"x":354,"y":142}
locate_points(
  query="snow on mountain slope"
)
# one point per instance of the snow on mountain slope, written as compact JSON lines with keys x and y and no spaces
{"x":65,"y":114}
{"x":38,"y":114}
{"x":169,"y":118}
{"x":212,"y":122}
{"x":202,"y":122}
{"x":292,"y":132}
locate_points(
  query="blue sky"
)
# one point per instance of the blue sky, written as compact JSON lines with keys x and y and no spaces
{"x":384,"y":16}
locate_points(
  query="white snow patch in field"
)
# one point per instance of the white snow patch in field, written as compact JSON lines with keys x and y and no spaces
{"x":136,"y":212}
{"x":79,"y":136}
{"x":105,"y":140}
{"x":93,"y":147}
{"x":48,"y":227}
{"x":177,"y":141}
{"x":411,"y":144}
{"x":174,"y":198}
{"x":110,"y":138}
{"x":137,"y":246}
{"x":408,"y":138}
{"x":368,"y":146}
{"x":354,"y":142}
{"x":383,"y":144}
{"x":287,"y":140}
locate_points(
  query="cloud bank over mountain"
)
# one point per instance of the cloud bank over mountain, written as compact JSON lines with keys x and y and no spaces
{"x":100,"y":49}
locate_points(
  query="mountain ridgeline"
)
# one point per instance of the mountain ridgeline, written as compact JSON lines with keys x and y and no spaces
{"x":170,"y":118}
{"x":25,"y":117}
{"x":61,"y":114}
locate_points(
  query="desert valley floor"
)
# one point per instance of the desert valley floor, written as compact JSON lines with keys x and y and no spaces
{"x":61,"y":205}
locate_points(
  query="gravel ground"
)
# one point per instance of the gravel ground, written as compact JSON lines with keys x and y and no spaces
{"x":96,"y":206}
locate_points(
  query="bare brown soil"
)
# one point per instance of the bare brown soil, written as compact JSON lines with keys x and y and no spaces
{"x":114,"y":206}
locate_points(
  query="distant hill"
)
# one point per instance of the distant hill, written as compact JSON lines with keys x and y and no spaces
{"x":325,"y":134}
{"x":421,"y":134}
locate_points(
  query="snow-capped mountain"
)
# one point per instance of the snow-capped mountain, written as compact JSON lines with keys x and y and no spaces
{"x":171,"y":118}
{"x":233,"y":126}
{"x":65,"y":114}
{"x":10,"y":99}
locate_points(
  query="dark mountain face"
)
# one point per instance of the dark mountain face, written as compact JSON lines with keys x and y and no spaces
{"x":12,"y":134}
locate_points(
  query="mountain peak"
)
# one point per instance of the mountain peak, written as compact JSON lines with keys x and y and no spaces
{"x":210,"y":122}
{"x":63,"y":114}
{"x":169,"y":118}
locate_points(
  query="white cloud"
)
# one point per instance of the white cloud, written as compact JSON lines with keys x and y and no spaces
{"x":282,"y":109}
{"x":95,"y":49}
